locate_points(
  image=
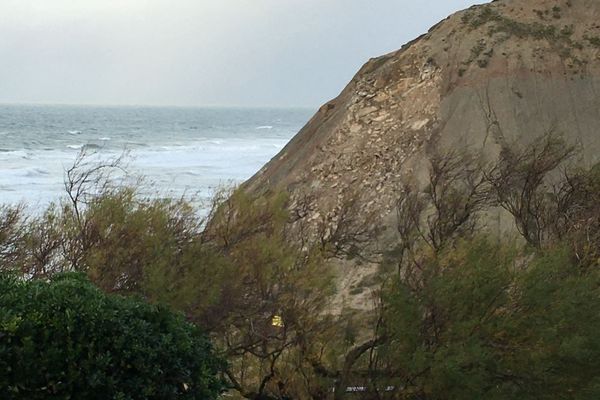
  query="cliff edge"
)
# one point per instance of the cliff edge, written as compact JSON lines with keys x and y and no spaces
{"x":491,"y":76}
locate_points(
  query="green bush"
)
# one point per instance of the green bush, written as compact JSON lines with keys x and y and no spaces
{"x":65,"y":339}
{"x":485,"y":323}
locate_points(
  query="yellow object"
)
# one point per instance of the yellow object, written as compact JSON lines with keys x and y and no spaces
{"x":277,"y":321}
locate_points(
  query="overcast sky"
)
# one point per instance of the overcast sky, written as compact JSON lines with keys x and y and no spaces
{"x":199,"y":52}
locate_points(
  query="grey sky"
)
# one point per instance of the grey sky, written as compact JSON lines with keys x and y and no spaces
{"x":199,"y":52}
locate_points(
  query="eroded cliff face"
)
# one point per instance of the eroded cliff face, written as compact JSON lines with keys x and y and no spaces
{"x":493,"y":75}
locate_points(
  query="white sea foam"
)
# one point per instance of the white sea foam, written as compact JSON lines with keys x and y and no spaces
{"x":31,"y":172}
{"x":183,"y":151}
{"x":14,"y":154}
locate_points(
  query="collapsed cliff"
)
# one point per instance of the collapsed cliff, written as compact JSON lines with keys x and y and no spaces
{"x":491,"y":76}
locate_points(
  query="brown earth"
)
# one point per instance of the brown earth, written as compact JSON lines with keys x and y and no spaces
{"x":490,"y":76}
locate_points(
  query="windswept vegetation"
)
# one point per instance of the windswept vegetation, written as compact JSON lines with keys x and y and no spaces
{"x":64,"y":338}
{"x":458,"y":310}
{"x":500,"y":27}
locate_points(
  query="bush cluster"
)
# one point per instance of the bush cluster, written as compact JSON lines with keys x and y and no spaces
{"x":65,"y":339}
{"x":459,"y":311}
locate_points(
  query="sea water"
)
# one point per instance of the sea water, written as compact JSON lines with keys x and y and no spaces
{"x":178,"y":151}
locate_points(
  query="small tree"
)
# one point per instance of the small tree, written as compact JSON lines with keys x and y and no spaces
{"x":520,"y":181}
{"x":487,"y":323}
{"x":65,"y":339}
{"x":273,"y":318}
{"x":12,"y":221}
{"x":575,"y":217}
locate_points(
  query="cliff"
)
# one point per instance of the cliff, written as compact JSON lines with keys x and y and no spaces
{"x":485,"y":78}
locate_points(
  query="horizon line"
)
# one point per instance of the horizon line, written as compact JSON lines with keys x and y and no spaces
{"x":108,"y":105}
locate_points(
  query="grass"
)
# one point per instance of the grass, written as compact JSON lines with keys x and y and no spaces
{"x":594,"y":40}
{"x":559,"y":38}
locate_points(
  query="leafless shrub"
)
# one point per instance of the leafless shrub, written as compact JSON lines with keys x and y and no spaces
{"x":520,"y":183}
{"x":347,"y":230}
{"x":455,"y":192}
{"x":574,"y":213}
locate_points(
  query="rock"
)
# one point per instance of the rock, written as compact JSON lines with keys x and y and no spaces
{"x":365,"y":111}
{"x":381,"y":97}
{"x":381,"y":117}
{"x":419,"y":124}
{"x":433,"y":90}
{"x":354,"y":128}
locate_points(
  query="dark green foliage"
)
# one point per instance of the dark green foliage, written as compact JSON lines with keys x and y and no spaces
{"x":486,"y":14}
{"x":522,"y":30}
{"x":64,"y":339}
{"x":503,"y":24}
{"x":118,"y":237}
{"x":567,"y":30}
{"x":593,"y":40}
{"x":501,"y":27}
{"x":556,"y":12}
{"x":476,"y":318}
{"x":540,"y":13}
{"x":231,"y":277}
{"x":483,"y":323}
{"x":455,"y":316}
{"x":11,"y":233}
{"x":478,"y":49}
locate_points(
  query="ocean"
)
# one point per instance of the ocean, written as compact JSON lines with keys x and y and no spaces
{"x":178,"y":151}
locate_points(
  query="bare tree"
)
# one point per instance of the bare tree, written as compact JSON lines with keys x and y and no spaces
{"x":86,"y":180}
{"x":447,"y":207}
{"x":347,"y":230}
{"x":457,"y":191}
{"x":521,"y":186}
{"x":574,"y":213}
